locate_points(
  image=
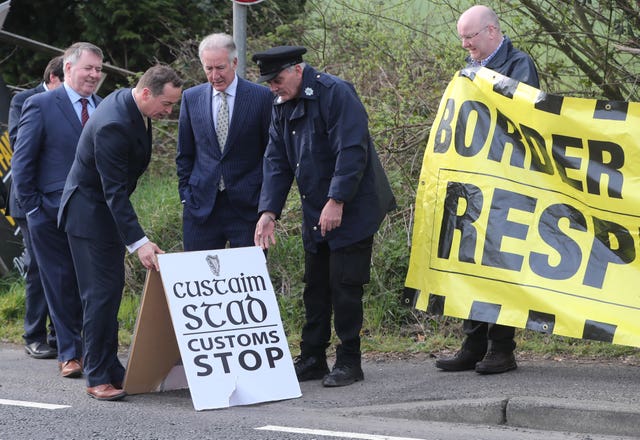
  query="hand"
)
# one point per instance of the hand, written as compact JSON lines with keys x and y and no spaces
{"x":265,"y":230}
{"x":331,"y":216}
{"x":147,"y":255}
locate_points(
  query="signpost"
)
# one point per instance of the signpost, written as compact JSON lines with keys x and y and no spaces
{"x":240,"y":32}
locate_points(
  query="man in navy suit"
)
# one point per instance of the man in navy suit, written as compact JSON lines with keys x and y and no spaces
{"x":38,"y":344}
{"x":113,"y":152}
{"x":48,"y":134}
{"x":222,"y":136}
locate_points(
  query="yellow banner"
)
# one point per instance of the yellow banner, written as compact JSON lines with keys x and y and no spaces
{"x":528,"y":211}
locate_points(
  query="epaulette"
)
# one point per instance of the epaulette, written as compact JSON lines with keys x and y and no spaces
{"x":325,"y":79}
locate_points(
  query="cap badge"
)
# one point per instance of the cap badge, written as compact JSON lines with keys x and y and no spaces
{"x":308,"y":91}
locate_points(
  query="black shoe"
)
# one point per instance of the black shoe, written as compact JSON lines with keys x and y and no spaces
{"x":310,"y":367}
{"x":343,"y":375}
{"x":496,"y":362}
{"x":40,"y":350}
{"x":463,"y":360}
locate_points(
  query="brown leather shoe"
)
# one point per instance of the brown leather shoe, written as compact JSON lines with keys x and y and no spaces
{"x":71,"y":368}
{"x":106,"y":391}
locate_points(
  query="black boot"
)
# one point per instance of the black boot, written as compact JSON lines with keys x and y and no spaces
{"x":310,"y":367}
{"x":496,"y":362}
{"x":342,"y":375}
{"x":463,"y":360}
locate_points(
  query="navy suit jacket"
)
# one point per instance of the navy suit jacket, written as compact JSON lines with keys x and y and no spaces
{"x":200,"y":162}
{"x":48,"y":134}
{"x":113,"y":152}
{"x":15,"y":110}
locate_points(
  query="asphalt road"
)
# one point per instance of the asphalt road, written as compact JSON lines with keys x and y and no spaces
{"x":399,"y":400}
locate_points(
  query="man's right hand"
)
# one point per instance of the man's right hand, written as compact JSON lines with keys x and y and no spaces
{"x":147,"y":255}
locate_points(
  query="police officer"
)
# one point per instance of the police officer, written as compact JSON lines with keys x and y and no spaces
{"x":319,"y":135}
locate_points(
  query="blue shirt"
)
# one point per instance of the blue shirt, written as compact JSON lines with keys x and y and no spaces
{"x":75,"y":101}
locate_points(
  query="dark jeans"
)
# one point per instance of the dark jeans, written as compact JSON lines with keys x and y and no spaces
{"x":334,"y":284}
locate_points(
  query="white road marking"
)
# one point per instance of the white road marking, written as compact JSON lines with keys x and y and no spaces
{"x":32,"y":404}
{"x":325,"y":433}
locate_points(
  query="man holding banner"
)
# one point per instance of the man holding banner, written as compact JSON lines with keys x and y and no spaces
{"x":488,"y":348}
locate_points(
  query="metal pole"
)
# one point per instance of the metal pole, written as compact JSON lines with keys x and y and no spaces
{"x":240,"y":36}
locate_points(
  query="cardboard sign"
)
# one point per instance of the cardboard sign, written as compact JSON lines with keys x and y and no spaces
{"x":228,"y":328}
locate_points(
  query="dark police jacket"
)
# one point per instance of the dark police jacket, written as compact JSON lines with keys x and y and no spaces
{"x":514,"y":63}
{"x":321,"y":138}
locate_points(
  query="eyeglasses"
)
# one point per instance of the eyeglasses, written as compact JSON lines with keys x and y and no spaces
{"x":472,"y":36}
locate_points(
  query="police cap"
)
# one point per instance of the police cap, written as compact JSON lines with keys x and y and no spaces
{"x":273,"y":61}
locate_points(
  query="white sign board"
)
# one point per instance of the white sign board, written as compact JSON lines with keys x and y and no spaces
{"x":228,"y":327}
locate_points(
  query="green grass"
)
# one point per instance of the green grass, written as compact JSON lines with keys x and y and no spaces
{"x":11,"y":308}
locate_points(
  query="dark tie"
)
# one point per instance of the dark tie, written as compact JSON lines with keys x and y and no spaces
{"x":84,"y":115}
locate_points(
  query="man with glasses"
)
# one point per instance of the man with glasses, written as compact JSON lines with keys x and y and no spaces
{"x":488,"y":348}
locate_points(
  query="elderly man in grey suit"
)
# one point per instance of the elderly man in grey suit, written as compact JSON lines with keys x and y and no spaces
{"x":113,"y":152}
{"x":48,"y":134}
{"x":222,"y":136}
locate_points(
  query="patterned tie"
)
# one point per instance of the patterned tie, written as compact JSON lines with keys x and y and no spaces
{"x":223,"y":120}
{"x":84,"y":116}
{"x":223,"y":128}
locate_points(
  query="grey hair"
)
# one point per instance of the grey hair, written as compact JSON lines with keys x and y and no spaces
{"x":74,"y":52}
{"x":218,"y":41}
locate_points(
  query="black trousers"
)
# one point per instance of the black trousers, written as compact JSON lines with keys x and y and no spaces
{"x":100,"y":269}
{"x":224,"y":224}
{"x":479,"y":334}
{"x":36,"y":308}
{"x":334,"y":282}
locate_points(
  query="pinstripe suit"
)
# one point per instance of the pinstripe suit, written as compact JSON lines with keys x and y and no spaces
{"x":212,"y":217}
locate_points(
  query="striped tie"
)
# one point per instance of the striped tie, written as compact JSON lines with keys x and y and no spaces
{"x":84,"y":115}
